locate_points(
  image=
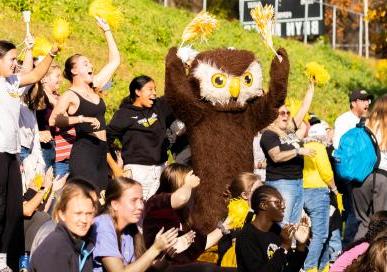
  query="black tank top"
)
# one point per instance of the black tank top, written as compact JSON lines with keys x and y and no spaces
{"x":89,"y":109}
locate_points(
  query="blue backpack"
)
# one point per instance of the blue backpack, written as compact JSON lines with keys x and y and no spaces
{"x":358,"y":154}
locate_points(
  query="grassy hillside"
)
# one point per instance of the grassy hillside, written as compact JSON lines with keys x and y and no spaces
{"x":150,"y":29}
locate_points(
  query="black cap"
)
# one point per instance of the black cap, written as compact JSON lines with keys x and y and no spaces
{"x":313,"y":119}
{"x":361,"y":95}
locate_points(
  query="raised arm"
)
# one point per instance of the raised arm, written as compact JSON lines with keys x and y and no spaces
{"x":265,"y":110}
{"x":28,"y":63}
{"x":38,"y":73}
{"x":178,"y":90}
{"x":305,"y":105}
{"x":108,"y":70}
{"x":279,"y":74}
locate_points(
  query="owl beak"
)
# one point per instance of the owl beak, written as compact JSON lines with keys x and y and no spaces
{"x":235,"y":87}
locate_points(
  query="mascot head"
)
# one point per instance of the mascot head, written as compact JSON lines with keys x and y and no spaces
{"x":226,"y":78}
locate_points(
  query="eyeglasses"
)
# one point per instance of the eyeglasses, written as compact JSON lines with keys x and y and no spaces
{"x":283,"y":113}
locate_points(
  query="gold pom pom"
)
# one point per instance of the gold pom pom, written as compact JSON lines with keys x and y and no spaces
{"x":38,"y":181}
{"x":61,"y":30}
{"x":264,"y":20}
{"x":202,"y":26}
{"x":317,"y":73}
{"x":42,"y":47}
{"x":105,"y":9}
{"x":238,"y":208}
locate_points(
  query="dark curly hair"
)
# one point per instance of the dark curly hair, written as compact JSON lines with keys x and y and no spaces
{"x":378,"y":223}
{"x":375,"y":258}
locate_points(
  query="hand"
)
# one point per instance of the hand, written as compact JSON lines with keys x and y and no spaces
{"x":102,"y":24}
{"x":45,"y":136}
{"x":55,"y":49}
{"x":287,"y":234}
{"x":120,"y":161}
{"x":281,"y":55}
{"x":93,"y":121}
{"x":59,"y":182}
{"x":183,"y":242}
{"x":307,"y":152}
{"x":261,"y":164}
{"x":303,"y":230}
{"x":165,"y":240}
{"x":127,"y":173}
{"x":48,"y":178}
{"x":191,"y":180}
{"x":312,"y":82}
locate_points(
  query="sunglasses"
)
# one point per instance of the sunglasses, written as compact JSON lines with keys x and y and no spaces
{"x":284,"y":113}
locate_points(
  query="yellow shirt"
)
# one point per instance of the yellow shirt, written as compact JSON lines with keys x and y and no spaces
{"x":317,"y":170}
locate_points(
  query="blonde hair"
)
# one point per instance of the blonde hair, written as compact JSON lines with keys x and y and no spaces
{"x":240,"y":183}
{"x":377,"y":121}
{"x":71,"y":190}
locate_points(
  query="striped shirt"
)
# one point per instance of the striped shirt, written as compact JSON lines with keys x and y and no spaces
{"x":64,"y":140}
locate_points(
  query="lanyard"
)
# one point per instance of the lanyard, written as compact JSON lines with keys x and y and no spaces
{"x":83,"y":256}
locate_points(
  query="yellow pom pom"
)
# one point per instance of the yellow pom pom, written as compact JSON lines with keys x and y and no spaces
{"x":238,"y":209}
{"x":200,"y":28}
{"x":38,"y":181}
{"x":61,"y":30}
{"x":105,"y":9}
{"x":229,"y":258}
{"x":264,"y":20}
{"x":317,"y":72}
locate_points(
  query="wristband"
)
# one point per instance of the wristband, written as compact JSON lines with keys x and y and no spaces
{"x":80,"y":119}
{"x":297,"y":150}
{"x":107,"y":30}
{"x":222,"y":228}
{"x":52,"y":54}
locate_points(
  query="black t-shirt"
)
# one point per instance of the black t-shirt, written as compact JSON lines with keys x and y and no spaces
{"x":259,"y":251}
{"x":142,"y":132}
{"x":291,"y":169}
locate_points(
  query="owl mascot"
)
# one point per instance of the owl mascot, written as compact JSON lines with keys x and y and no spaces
{"x":220,"y":98}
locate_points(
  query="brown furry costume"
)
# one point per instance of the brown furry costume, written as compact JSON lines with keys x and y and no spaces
{"x":221,"y":135}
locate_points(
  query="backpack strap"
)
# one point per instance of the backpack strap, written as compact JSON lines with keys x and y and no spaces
{"x":378,"y":158}
{"x":376,"y":147}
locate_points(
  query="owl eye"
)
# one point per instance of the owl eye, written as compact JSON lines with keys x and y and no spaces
{"x":219,"y":80}
{"x":247,"y":79}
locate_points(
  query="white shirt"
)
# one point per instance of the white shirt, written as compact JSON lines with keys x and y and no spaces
{"x":259,"y":156}
{"x":10,"y":96}
{"x":343,"y":123}
{"x":28,"y":125}
{"x":383,"y":153}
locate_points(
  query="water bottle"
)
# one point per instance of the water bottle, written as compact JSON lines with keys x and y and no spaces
{"x":24,"y":262}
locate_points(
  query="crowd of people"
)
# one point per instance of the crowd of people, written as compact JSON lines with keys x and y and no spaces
{"x":75,"y":200}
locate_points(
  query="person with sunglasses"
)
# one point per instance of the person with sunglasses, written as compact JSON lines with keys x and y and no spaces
{"x":263,"y":245}
{"x":282,"y":145}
